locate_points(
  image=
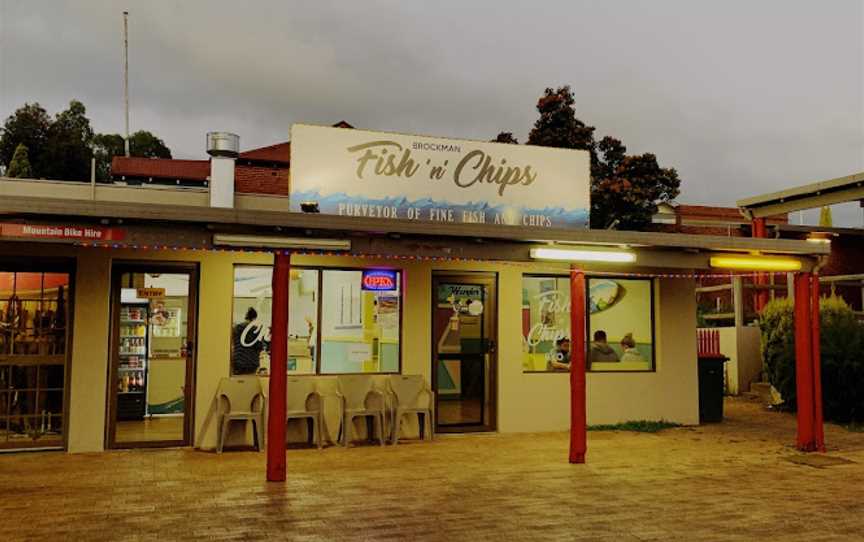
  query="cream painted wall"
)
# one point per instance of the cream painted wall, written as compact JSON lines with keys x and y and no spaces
{"x":89,"y":363}
{"x":540,"y":401}
{"x":526,"y":401}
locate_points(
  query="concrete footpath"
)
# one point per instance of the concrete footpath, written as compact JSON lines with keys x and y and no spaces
{"x":740,"y":480}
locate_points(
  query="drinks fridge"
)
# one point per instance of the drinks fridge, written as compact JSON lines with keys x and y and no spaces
{"x":133,"y":356}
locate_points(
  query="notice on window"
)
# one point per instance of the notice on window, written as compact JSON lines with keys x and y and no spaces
{"x":359,"y":352}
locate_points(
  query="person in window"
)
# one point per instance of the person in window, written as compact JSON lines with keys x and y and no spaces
{"x":247,"y":345}
{"x":559,"y":360}
{"x":631,"y":354}
{"x":600,"y":350}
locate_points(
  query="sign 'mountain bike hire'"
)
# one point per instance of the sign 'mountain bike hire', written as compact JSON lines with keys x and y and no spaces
{"x":385,"y":175}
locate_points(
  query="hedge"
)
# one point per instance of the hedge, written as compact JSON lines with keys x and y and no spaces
{"x":842,"y":349}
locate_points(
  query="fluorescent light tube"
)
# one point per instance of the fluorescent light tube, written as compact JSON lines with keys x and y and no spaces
{"x":583,"y":255}
{"x":756,"y":263}
{"x":272,"y":241}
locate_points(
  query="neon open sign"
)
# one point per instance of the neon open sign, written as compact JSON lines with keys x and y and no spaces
{"x":379,"y":280}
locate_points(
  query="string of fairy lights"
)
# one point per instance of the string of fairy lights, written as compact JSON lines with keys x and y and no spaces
{"x":533,"y":267}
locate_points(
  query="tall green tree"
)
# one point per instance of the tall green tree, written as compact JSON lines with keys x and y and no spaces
{"x":141,"y":143}
{"x":67,"y":151}
{"x":19,"y":166}
{"x":27,"y":126}
{"x":625,"y":190}
{"x":61,"y":147}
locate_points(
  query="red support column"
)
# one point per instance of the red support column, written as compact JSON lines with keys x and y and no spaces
{"x":816,"y":359}
{"x":760,"y":299}
{"x":803,"y":361}
{"x":578,"y":429}
{"x":278,"y":368}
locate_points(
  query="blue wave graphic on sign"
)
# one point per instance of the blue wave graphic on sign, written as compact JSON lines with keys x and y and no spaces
{"x":430,"y":209}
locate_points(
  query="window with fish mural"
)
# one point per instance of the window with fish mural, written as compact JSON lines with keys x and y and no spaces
{"x":620,"y":324}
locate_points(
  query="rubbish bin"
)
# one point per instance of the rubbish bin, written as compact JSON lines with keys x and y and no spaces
{"x":711,"y":388}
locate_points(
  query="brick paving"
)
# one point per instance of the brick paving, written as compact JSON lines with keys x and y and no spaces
{"x":733,"y":481}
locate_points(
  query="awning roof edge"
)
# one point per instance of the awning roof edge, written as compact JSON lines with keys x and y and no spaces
{"x":63,"y":207}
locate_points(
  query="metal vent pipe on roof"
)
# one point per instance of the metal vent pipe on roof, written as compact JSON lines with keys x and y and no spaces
{"x":223,"y":148}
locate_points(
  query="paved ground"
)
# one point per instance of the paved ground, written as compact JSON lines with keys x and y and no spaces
{"x":734,"y":481}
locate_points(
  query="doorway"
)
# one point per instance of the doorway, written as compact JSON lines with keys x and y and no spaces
{"x":151,"y":384}
{"x":464,"y":360}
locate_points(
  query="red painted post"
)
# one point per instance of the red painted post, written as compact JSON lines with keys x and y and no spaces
{"x":816,"y":358}
{"x":803,"y":361}
{"x":761,"y":279}
{"x":578,"y":350}
{"x":278,"y":368}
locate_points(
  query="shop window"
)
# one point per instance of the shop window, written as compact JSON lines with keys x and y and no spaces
{"x":34,"y":310}
{"x":545,"y":322}
{"x":620,"y":321}
{"x":620,"y":324}
{"x":250,"y":334}
{"x":358,"y":329}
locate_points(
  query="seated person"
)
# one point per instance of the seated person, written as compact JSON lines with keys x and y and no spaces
{"x":600,"y":350}
{"x":628,"y":346}
{"x":559,"y":359}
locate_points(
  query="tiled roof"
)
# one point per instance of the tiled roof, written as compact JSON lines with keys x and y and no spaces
{"x":161,"y":168}
{"x":279,"y":153}
{"x":730,"y":214}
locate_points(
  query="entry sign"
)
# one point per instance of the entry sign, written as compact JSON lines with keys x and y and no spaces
{"x":150,"y":293}
{"x":379,"y":280}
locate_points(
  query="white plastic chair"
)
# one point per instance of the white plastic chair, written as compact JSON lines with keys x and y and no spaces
{"x":300,"y":391}
{"x":411,"y":395}
{"x":241,"y":399}
{"x":360,"y":399}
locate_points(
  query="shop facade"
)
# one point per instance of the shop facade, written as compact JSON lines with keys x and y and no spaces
{"x":159,"y":287}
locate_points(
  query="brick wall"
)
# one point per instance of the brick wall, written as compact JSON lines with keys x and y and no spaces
{"x":268,"y":180}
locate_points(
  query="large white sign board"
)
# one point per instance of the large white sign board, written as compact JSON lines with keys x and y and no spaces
{"x":385,"y":175}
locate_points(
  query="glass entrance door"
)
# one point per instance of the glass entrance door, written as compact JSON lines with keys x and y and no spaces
{"x":463,"y":344}
{"x":153,"y":357}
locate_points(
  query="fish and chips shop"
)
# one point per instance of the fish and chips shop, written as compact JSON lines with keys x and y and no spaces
{"x":470,"y":264}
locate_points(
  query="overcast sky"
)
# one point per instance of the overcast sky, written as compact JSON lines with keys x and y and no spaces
{"x":742,"y":97}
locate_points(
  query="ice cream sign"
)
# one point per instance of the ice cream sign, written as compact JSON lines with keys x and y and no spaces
{"x":379,"y":280}
{"x":384,"y":175}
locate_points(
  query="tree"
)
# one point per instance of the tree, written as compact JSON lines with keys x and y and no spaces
{"x":625,"y":190}
{"x":27,"y":126}
{"x":141,"y":143}
{"x":19,"y":166}
{"x":558,"y":125}
{"x":67,"y":150}
{"x":505,"y":137}
{"x":825,"y":219}
{"x":61,"y":148}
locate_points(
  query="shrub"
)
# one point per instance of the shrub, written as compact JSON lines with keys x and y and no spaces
{"x":842,"y":347}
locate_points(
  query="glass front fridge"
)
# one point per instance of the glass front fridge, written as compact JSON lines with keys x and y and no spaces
{"x":133,"y":361}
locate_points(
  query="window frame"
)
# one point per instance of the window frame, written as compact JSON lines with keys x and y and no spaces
{"x":652,"y":310}
{"x":588,"y":277}
{"x":319,"y":315}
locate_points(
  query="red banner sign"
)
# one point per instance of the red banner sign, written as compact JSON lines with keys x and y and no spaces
{"x":61,"y":232}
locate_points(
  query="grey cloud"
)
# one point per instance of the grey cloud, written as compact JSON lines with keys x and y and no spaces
{"x":741,"y":97}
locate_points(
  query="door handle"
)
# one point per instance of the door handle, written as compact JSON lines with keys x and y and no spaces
{"x":490,"y":346}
